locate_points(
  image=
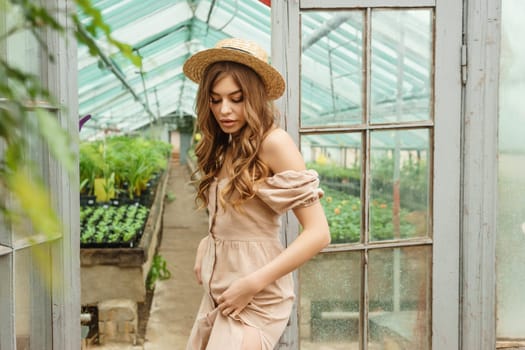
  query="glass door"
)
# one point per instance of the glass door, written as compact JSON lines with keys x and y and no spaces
{"x":379,"y":120}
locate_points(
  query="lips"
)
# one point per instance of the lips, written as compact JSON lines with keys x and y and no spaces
{"x":227,"y":122}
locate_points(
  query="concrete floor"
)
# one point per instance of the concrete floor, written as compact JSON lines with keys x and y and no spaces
{"x":176,"y":300}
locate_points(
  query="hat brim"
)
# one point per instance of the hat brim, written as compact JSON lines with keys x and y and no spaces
{"x":196,"y":65}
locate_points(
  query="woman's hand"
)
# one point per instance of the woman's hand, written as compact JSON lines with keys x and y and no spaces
{"x":198,"y":259}
{"x":237,"y":296}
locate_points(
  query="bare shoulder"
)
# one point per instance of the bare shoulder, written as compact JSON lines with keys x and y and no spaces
{"x":276,"y":139}
{"x":280,"y":153}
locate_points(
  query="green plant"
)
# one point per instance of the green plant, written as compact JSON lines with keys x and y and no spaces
{"x":133,"y":160}
{"x":83,"y":185}
{"x":344,"y":212}
{"x":137,"y":175}
{"x":413,"y":182}
{"x":116,"y":226}
{"x":91,"y":165}
{"x":109,"y":184}
{"x":170,"y":197}
{"x":87,"y":234}
{"x":331,"y":170}
{"x":158,"y":271}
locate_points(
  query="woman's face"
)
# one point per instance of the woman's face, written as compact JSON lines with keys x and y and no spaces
{"x":227,"y":105}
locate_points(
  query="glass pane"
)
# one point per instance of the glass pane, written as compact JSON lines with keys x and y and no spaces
{"x":330,"y":307}
{"x":337,"y":158}
{"x":33,"y":320}
{"x":37,"y":155}
{"x":401,"y":65}
{"x":21,"y":48}
{"x":332,"y":68}
{"x":510,"y":250}
{"x":399,"y":184}
{"x":399,"y":286}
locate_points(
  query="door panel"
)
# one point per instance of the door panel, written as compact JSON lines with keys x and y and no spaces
{"x":378,"y":116}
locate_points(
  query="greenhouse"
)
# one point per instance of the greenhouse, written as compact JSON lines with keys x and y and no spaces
{"x":408,"y":111}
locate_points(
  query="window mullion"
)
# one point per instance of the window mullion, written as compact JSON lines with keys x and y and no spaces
{"x":4,"y":250}
{"x":32,"y":105}
{"x":365,"y":181}
{"x":33,"y":240}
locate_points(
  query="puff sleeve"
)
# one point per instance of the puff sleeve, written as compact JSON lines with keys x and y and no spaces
{"x":290,"y":189}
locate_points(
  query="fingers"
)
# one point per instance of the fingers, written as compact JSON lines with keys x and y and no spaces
{"x":221,"y":304}
{"x":225,"y":308}
{"x":228,"y":311}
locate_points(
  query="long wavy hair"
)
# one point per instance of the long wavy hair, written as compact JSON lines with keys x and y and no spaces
{"x":260,"y":115}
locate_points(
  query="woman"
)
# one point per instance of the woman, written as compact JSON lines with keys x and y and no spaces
{"x":251,"y":172}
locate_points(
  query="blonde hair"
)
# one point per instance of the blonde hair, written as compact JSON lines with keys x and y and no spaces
{"x":260,"y":116}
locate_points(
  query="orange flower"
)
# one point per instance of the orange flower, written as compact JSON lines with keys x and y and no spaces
{"x":337,"y":211}
{"x":382,"y":205}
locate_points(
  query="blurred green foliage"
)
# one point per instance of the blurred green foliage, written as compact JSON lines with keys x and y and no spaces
{"x":23,"y":117}
{"x":344,"y":210}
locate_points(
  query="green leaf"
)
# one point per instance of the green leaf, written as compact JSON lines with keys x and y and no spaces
{"x":34,"y":200}
{"x":57,"y":138}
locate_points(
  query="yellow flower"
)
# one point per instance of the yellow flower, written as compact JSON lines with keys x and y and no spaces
{"x":328,"y":199}
{"x":322,"y":159}
{"x":354,"y":207}
{"x":197,"y":137}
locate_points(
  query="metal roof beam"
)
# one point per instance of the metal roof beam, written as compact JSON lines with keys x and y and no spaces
{"x":118,"y":73}
{"x":325,"y":28}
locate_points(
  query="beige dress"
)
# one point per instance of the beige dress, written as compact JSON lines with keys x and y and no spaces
{"x":240,"y":242}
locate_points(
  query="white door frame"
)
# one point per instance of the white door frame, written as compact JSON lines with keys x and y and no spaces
{"x":479,"y":174}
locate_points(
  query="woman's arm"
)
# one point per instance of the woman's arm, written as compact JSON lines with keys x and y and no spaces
{"x":280,"y":153}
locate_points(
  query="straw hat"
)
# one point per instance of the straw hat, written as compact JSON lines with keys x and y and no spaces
{"x":241,"y":51}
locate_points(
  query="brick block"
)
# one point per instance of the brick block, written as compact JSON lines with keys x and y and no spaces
{"x":127,"y":327}
{"x":118,"y":321}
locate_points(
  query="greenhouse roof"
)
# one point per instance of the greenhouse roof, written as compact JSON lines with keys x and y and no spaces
{"x":121,"y":97}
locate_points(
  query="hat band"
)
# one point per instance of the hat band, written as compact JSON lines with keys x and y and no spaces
{"x":237,"y":49}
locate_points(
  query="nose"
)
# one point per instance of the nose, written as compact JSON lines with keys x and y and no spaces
{"x":226,"y":106}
